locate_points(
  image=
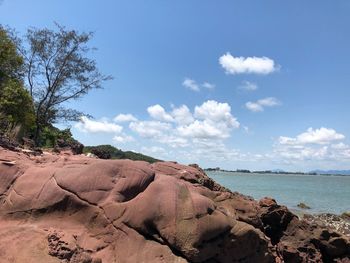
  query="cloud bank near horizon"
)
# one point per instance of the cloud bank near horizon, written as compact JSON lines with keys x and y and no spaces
{"x":202,"y":134}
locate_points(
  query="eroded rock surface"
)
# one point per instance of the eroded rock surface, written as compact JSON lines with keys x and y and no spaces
{"x":68,"y":208}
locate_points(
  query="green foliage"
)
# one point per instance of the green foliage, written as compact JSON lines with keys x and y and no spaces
{"x":110,"y":152}
{"x":48,"y":137}
{"x":51,"y":135}
{"x":16,"y":105}
{"x":11,"y":63}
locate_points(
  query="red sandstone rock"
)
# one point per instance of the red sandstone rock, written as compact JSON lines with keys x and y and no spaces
{"x":300,"y":241}
{"x":68,"y":208}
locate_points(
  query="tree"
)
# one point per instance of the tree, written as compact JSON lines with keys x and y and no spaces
{"x":11,"y":63}
{"x":16,"y":105}
{"x":58,"y":70}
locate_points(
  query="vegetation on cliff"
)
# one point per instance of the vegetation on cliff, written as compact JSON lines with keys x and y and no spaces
{"x":16,"y":105}
{"x":110,"y":152}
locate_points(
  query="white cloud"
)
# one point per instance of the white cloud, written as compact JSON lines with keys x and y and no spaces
{"x":259,"y":105}
{"x":216,"y":112}
{"x":217,"y":151}
{"x":191,"y":84}
{"x":173,"y":141}
{"x":179,"y":128}
{"x":340,"y":146}
{"x":208,"y":85}
{"x":87,"y":125}
{"x":314,"y":145}
{"x":123,"y":138}
{"x":249,"y":86}
{"x":124,"y":118}
{"x":150,"y":129}
{"x":253,"y":106}
{"x":153,"y":150}
{"x":156,"y":152}
{"x":213,"y":120}
{"x":238,"y":65}
{"x":157,"y":112}
{"x":313,"y":136}
{"x":182,"y":115}
{"x":303,"y":153}
{"x":203,"y":129}
{"x":269,"y":102}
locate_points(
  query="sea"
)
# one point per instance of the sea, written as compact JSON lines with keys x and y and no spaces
{"x":323,"y":193}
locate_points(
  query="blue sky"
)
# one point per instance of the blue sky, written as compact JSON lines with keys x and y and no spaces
{"x":235,"y":84}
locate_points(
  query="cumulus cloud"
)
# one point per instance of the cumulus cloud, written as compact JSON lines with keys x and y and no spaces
{"x":182,"y":115}
{"x":249,"y":86}
{"x":180,"y":127}
{"x":254,"y":65}
{"x":191,"y":84}
{"x":313,"y":145}
{"x":213,"y":120}
{"x":216,"y":112}
{"x":259,"y":105}
{"x":202,"y":129}
{"x":173,"y":140}
{"x":124,"y":118}
{"x":340,"y":146}
{"x":313,"y":136}
{"x":87,"y":125}
{"x":157,"y":112}
{"x":302,"y":153}
{"x":150,"y":129}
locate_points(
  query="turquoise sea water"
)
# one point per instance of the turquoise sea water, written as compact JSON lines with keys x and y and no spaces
{"x":324,"y":194}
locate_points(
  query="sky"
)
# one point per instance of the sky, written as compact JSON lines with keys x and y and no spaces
{"x":233,"y":84}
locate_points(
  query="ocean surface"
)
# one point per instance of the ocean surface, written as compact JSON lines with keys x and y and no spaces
{"x":323,"y":193}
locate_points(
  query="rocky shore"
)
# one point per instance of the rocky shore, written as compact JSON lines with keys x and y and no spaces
{"x":71,"y":208}
{"x":339,"y":223}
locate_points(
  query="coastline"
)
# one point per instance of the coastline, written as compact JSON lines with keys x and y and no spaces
{"x":322,"y":194}
{"x":248,"y":172}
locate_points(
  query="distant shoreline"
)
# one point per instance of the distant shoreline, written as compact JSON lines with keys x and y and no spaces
{"x":276,"y":172}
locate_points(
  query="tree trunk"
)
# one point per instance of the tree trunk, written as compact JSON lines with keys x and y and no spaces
{"x":37,"y":134}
